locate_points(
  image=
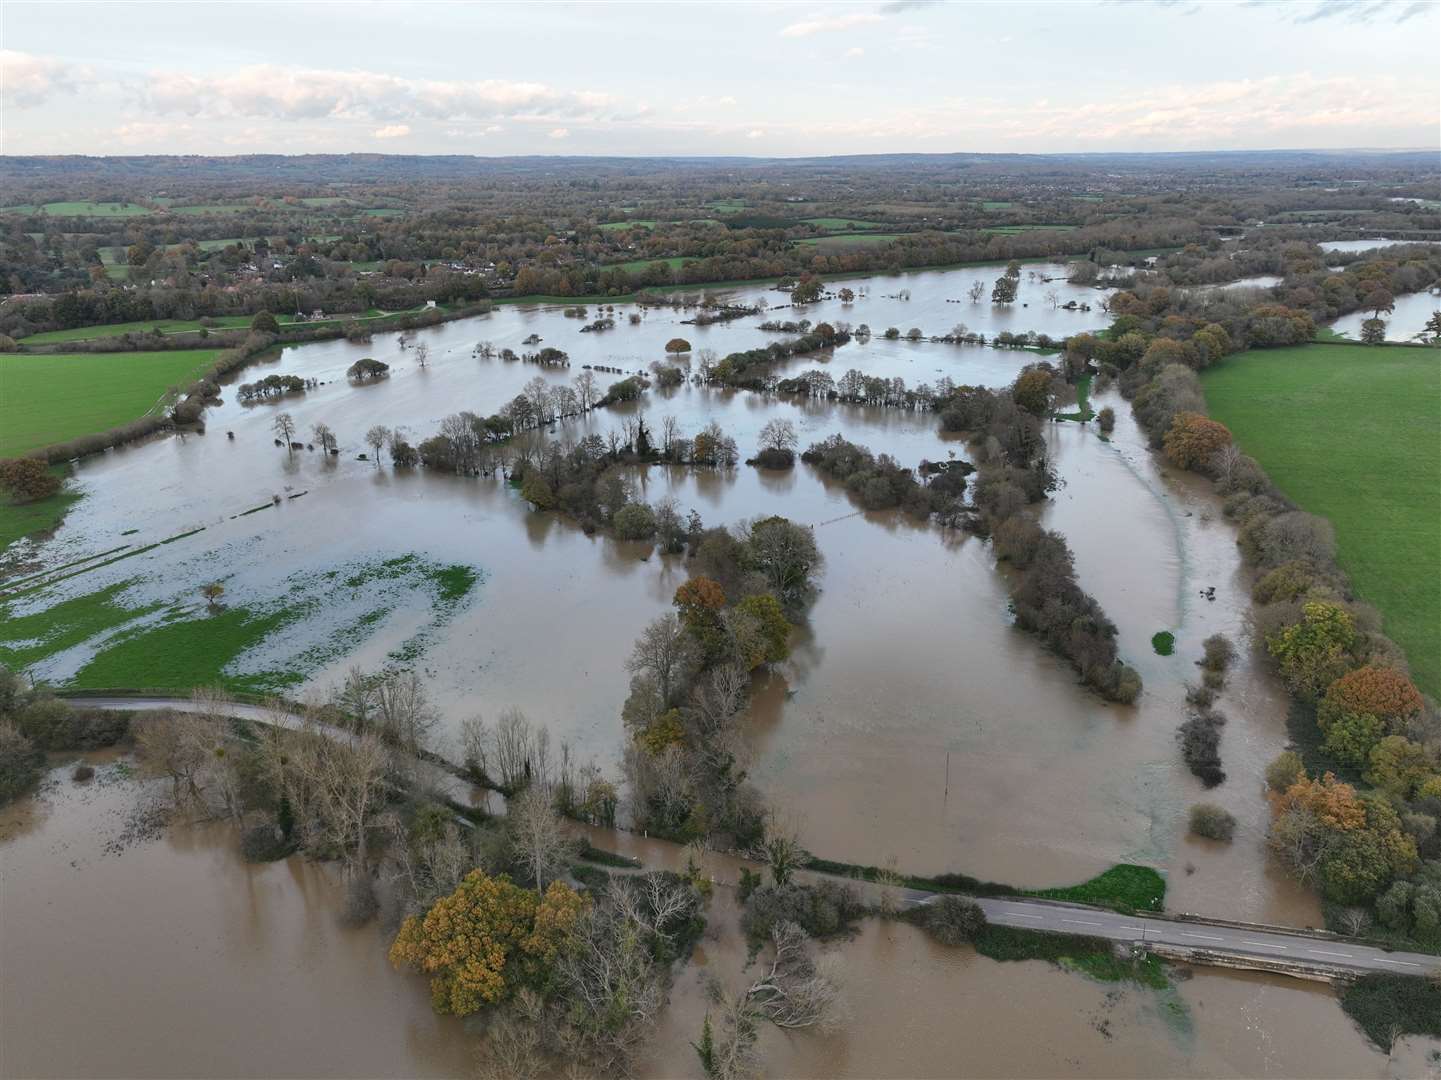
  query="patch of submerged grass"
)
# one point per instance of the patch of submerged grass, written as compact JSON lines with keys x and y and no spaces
{"x":453,"y":583}
{"x":1164,"y":643}
{"x":1095,"y":957}
{"x":186,"y":653}
{"x":24,"y":639}
{"x":189,"y":646}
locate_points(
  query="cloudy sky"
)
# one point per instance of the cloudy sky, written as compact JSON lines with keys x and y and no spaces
{"x":764,"y":78}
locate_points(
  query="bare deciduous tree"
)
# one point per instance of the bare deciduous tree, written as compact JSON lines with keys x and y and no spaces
{"x":664,"y":651}
{"x":538,"y":838}
{"x":376,"y":438}
{"x":284,"y":426}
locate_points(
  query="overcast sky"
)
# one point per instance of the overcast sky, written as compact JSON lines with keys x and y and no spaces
{"x":771,"y":79}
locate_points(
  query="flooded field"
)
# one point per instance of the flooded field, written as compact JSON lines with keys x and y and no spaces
{"x":129,"y":928}
{"x":1012,"y":771}
{"x":913,"y":722}
{"x":1403,"y":324}
{"x":130,"y":951}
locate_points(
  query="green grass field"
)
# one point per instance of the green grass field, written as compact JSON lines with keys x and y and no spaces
{"x":836,"y":224}
{"x":48,"y":399}
{"x":849,"y":240}
{"x":638,"y":223}
{"x":635,"y":265}
{"x":1011,"y":230}
{"x":82,"y":209}
{"x":1350,"y":432}
{"x":181,"y":326}
{"x":167,"y":326}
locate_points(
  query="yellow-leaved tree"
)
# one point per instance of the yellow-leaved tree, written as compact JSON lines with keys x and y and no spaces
{"x":487,"y":939}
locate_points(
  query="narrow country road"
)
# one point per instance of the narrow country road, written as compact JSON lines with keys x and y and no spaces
{"x":1199,"y":934}
{"x":1193,"y":934}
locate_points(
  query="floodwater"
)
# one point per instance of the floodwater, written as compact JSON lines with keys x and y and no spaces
{"x":160,"y":953}
{"x":1362,"y":245}
{"x":913,"y":722}
{"x":168,"y":956}
{"x":1259,"y":281}
{"x":919,"y":1009}
{"x":1403,"y":324}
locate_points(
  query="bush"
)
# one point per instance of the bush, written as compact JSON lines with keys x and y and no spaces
{"x":27,"y":479}
{"x":1106,"y":418}
{"x":54,"y":724}
{"x":634,"y":521}
{"x":1284,"y":771}
{"x":1219,"y":652}
{"x":20,"y":762}
{"x":774,"y":458}
{"x":265,"y":843}
{"x":1194,"y":440}
{"x":821,"y":910}
{"x":1213,"y":822}
{"x":265,"y":323}
{"x":1388,"y":1006}
{"x":951,"y":920}
{"x":82,"y":773}
{"x":1164,"y":643}
{"x":1201,"y":746}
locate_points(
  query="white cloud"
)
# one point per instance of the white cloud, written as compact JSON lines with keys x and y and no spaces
{"x":823,"y":24}
{"x":755,"y":133}
{"x":311,"y":94}
{"x":855,"y":50}
{"x":560,"y":133}
{"x":29,"y":80}
{"x":726,"y":101}
{"x":392,"y":131}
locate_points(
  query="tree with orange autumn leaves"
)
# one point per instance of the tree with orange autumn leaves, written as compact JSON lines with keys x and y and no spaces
{"x":487,"y":940}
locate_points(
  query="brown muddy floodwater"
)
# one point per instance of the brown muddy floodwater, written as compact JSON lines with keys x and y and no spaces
{"x":913,"y":722}
{"x":133,"y":953}
{"x":158,"y":952}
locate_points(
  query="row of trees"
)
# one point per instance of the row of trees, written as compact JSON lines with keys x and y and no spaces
{"x":1360,"y":846}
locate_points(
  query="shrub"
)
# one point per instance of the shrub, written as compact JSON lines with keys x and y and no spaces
{"x":27,"y":479}
{"x":821,"y":910}
{"x":634,"y":521}
{"x":1388,"y":1006}
{"x":1164,"y":643}
{"x":265,"y":323}
{"x":1106,"y":418}
{"x":1213,"y":822}
{"x":1201,"y":746}
{"x":774,"y":458}
{"x":1219,"y":652}
{"x":950,"y":919}
{"x":54,"y":724}
{"x":677,"y":345}
{"x":20,"y":762}
{"x":265,"y":843}
{"x":82,"y":773}
{"x":1193,"y":441}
